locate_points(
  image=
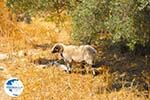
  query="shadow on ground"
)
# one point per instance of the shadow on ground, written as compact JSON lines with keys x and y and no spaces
{"x":129,"y":69}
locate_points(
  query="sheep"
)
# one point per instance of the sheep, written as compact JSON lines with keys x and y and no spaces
{"x":74,"y":53}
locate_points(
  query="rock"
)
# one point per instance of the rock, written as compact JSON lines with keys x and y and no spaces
{"x":2,"y":68}
{"x":21,"y":53}
{"x":62,"y":66}
{"x":3,"y":56}
{"x":41,"y":66}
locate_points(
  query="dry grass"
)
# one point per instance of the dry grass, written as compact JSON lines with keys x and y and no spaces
{"x":52,"y":83}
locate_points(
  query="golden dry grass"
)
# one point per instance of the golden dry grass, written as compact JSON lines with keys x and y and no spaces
{"x":52,"y":83}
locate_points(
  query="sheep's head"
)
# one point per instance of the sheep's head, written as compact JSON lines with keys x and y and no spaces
{"x":57,"y":48}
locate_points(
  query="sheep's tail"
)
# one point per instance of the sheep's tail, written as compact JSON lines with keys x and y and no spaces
{"x":93,"y":50}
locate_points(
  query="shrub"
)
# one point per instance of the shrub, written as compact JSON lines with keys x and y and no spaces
{"x":127,"y":20}
{"x":88,"y":19}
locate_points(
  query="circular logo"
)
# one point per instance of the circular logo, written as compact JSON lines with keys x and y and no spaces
{"x":13,"y":87}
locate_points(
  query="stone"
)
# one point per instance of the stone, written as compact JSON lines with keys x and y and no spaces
{"x":3,"y":56}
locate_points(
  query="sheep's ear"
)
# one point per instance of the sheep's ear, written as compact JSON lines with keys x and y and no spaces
{"x":61,"y":48}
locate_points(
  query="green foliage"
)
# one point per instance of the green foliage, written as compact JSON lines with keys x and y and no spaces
{"x":20,"y":6}
{"x":34,"y":6}
{"x":120,"y":22}
{"x":127,"y":20}
{"x":88,"y":20}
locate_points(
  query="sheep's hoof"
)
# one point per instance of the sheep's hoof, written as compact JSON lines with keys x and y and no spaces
{"x":68,"y":71}
{"x":83,"y":72}
{"x":95,"y":73}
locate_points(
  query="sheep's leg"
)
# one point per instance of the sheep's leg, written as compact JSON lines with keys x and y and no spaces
{"x":93,"y":70}
{"x":68,"y":68}
{"x":68,"y":65}
{"x":92,"y":63}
